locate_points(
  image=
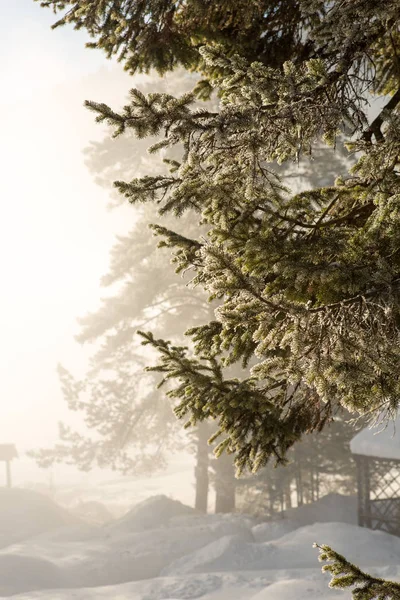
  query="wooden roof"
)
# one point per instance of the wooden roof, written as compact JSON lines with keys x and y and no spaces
{"x":8,"y":452}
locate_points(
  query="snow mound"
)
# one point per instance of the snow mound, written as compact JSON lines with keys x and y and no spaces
{"x":358,"y":544}
{"x":293,"y":550}
{"x":273,"y":530}
{"x":141,"y":555}
{"x":222,"y":586}
{"x":20,"y":573}
{"x":112,"y":557}
{"x":218,"y":525}
{"x":300,"y":589}
{"x":74,"y":533}
{"x":92,"y":512}
{"x":329,"y":508}
{"x":25,"y":513}
{"x":189,"y":556}
{"x":234,"y":519}
{"x":151,"y":513}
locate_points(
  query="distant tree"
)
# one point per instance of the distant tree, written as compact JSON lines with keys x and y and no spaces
{"x":319,"y":464}
{"x":130,"y":426}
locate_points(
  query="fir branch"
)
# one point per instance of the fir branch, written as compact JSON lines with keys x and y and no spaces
{"x":375,"y":127}
{"x":346,"y":575}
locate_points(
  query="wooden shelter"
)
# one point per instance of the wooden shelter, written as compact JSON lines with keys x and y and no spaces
{"x":377,"y":454}
{"x":7,"y":453}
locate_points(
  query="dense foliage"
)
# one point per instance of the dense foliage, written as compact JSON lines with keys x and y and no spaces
{"x":304,"y":281}
{"x":321,"y":463}
{"x":163,"y":34}
{"x":307,"y":283}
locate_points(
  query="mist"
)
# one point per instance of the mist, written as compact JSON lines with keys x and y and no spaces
{"x":57,"y":229}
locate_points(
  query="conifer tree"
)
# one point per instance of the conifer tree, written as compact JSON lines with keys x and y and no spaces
{"x":305,"y":280}
{"x":308,"y":283}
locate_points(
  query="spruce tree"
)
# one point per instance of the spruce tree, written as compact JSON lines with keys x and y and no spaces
{"x":306,"y":280}
{"x":308,"y":283}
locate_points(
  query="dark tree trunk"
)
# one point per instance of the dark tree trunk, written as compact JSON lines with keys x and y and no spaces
{"x":271,"y":498}
{"x":312,"y":485}
{"x":225,"y":484}
{"x":288,"y":495}
{"x":299,"y":486}
{"x":8,"y":473}
{"x":201,"y":468}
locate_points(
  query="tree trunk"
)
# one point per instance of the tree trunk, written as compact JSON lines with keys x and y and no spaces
{"x":312,"y":485}
{"x":201,"y":468}
{"x":8,"y":473}
{"x":271,"y":497}
{"x":299,"y":486}
{"x":288,"y":495}
{"x":225,"y":484}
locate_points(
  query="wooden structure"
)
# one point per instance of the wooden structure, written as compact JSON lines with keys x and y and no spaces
{"x":7,"y":453}
{"x":377,"y":455}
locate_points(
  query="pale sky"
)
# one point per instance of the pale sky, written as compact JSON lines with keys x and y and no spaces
{"x":55,"y":229}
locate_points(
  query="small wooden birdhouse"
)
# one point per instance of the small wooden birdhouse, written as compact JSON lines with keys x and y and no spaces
{"x":7,"y":453}
{"x":377,"y":454}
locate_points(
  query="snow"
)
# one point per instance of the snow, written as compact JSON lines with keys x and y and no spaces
{"x":163,"y":550}
{"x":299,"y":589}
{"x":332,"y":507}
{"x":232,"y":552}
{"x":266,"y":532}
{"x":380,"y":441}
{"x":151,"y":513}
{"x":24,"y":513}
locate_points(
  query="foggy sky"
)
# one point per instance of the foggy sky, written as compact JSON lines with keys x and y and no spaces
{"x":55,"y":229}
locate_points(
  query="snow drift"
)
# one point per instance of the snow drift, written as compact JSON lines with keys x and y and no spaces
{"x":163,"y":550}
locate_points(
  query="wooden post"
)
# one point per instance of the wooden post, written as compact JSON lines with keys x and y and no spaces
{"x":8,"y":472}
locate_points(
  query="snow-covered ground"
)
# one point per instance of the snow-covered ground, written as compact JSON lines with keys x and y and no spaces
{"x":163,"y":550}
